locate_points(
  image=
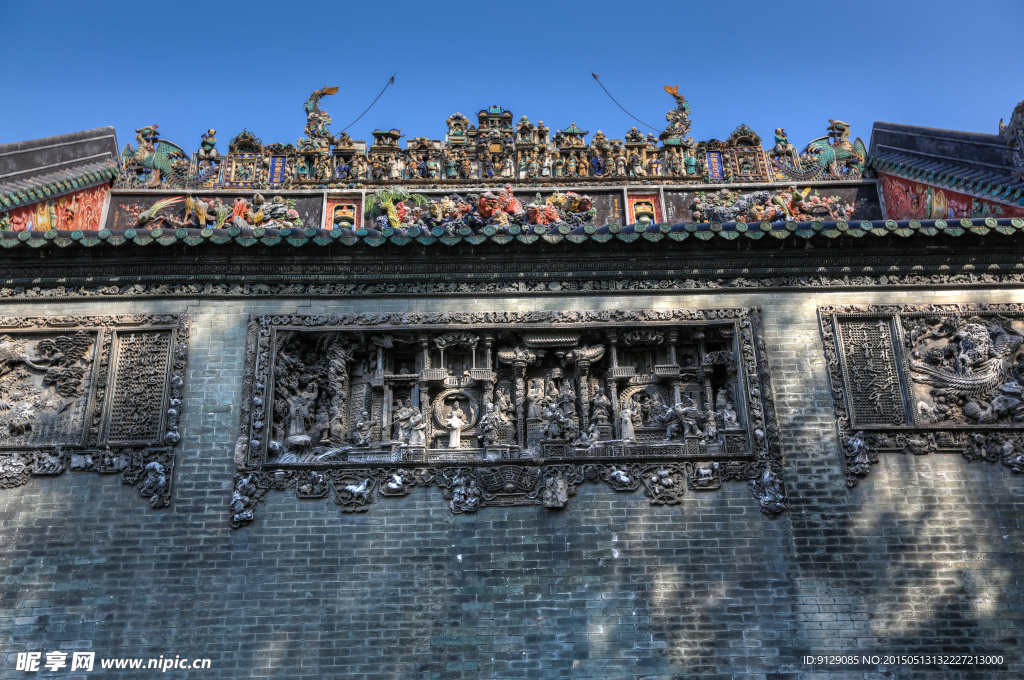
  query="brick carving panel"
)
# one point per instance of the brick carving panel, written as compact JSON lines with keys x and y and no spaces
{"x":929,"y":378}
{"x":506,"y":408}
{"x":94,"y":393}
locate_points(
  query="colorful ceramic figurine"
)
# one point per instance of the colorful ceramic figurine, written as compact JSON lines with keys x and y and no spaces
{"x":208,"y":147}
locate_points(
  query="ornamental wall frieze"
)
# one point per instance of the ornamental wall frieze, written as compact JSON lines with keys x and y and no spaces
{"x":547,"y":287}
{"x":92,"y":393}
{"x":506,"y":408}
{"x":920,"y":379}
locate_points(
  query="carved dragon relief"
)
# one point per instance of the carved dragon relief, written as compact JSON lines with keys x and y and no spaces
{"x":926,"y":379}
{"x":356,"y":407}
{"x":95,"y":393}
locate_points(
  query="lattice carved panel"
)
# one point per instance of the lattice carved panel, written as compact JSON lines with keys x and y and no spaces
{"x":92,"y":393}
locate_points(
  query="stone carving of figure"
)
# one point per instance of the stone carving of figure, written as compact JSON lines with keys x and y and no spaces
{"x":363,"y":430}
{"x":535,"y":396}
{"x":417,"y":425}
{"x":545,"y":166}
{"x":487,"y":427}
{"x":726,"y":411}
{"x":581,"y":167}
{"x":567,"y":400}
{"x":620,"y":165}
{"x":401,"y":417}
{"x":504,"y":406}
{"x":597,"y":165}
{"x":456,"y":421}
{"x":683,"y":414}
{"x":300,"y":416}
{"x":626,"y":432}
{"x":599,"y":412}
{"x":552,"y":422}
{"x":451,"y":170}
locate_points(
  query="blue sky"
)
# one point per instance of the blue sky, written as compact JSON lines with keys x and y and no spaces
{"x":189,"y":66}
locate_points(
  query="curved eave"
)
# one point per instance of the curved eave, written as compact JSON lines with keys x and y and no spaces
{"x":669,"y":233}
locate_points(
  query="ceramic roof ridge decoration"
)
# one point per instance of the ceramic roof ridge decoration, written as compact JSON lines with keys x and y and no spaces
{"x":494,"y":149}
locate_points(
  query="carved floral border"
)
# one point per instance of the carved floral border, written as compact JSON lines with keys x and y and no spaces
{"x":559,"y":286}
{"x":543,"y":482}
{"x":149,"y":467}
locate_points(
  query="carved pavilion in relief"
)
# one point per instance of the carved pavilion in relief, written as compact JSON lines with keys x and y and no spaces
{"x":505,"y":407}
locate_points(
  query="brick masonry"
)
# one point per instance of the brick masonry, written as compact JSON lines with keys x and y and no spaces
{"x":923,"y":557}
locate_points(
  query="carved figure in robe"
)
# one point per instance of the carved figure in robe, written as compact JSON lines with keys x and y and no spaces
{"x":363,"y":430}
{"x":726,"y":411}
{"x":676,"y":164}
{"x":456,"y":422}
{"x":401,"y":418}
{"x":551,"y":391}
{"x":567,"y":400}
{"x":620,"y":166}
{"x":504,"y":406}
{"x":626,"y":431}
{"x":535,"y":396}
{"x":599,"y":412}
{"x":553,"y":422}
{"x":487,"y":427}
{"x":300,"y":415}
{"x":682,"y":415}
{"x":417,"y":425}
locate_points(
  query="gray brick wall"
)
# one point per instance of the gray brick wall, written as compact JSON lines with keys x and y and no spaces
{"x":923,"y":557}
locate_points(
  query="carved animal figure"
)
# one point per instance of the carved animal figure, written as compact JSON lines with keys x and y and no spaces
{"x":983,"y":362}
{"x":830,"y":155}
{"x":163,"y":158}
{"x":359,"y":490}
{"x":150,"y":213}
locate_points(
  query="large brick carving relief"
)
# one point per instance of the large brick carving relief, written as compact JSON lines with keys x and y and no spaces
{"x":926,"y":379}
{"x":92,"y":393}
{"x":506,"y":408}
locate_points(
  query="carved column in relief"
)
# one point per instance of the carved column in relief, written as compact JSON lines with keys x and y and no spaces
{"x":339,"y":355}
{"x":423,"y":391}
{"x":703,"y":375}
{"x":489,"y":383}
{"x":613,"y":392}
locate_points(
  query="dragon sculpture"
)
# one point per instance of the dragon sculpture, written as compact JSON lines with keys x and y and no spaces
{"x":167,"y":161}
{"x":829,"y":153}
{"x":982,"y":359}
